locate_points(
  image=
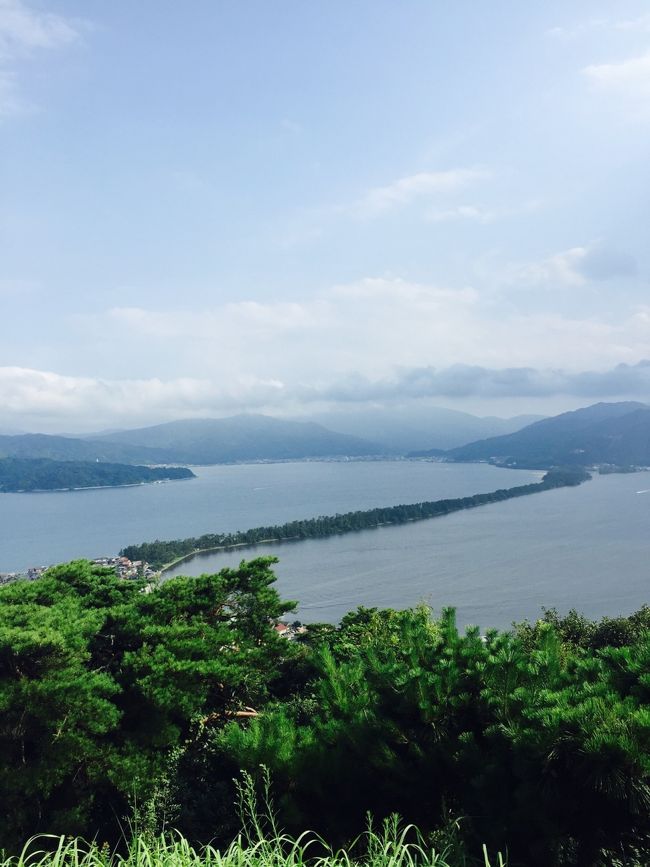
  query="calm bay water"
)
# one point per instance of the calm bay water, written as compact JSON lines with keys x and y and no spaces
{"x":39,"y":529}
{"x":585,"y":547}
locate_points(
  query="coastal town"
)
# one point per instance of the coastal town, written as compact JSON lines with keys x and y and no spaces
{"x":123,"y":567}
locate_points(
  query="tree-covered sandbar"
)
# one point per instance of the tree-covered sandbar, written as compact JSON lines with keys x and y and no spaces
{"x":163,"y":554}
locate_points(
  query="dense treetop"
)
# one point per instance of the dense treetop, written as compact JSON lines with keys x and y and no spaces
{"x":100,"y":680}
{"x":116,"y":696}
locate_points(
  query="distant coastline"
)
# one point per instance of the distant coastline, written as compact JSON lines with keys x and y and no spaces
{"x":97,"y":487}
{"x":44,"y":475}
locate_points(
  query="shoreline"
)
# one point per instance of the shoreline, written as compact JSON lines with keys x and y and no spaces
{"x":198,"y":551}
{"x":280,"y":541}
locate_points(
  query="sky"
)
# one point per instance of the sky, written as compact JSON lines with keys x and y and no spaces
{"x":224,"y":206}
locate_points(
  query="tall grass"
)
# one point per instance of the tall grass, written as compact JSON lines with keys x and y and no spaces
{"x":381,"y":850}
{"x":260,"y":844}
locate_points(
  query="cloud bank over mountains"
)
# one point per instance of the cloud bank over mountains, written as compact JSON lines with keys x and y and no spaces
{"x":377,"y":324}
{"x":61,"y":403}
{"x":461,"y":381}
{"x":377,"y":340}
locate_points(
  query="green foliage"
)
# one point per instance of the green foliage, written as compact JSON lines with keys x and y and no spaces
{"x":259,"y":843}
{"x":390,"y":847}
{"x":577,"y":630}
{"x":43,"y":474}
{"x":534,"y":741}
{"x":101,"y":680}
{"x":540,"y":746}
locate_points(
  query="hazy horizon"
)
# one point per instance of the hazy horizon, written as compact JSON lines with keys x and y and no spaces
{"x":286,"y":209}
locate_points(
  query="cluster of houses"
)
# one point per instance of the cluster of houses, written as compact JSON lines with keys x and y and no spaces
{"x":29,"y":575}
{"x":290,"y":631}
{"x":123,"y":567}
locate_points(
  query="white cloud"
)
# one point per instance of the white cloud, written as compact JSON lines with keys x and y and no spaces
{"x":479,"y":213}
{"x":46,"y":401}
{"x":631,"y":73}
{"x":49,"y":400}
{"x":423,"y":185}
{"x":365,"y":326}
{"x":376,"y":336}
{"x":627,"y":81}
{"x":428,"y":190}
{"x":572,"y":268}
{"x":636,"y":25}
{"x":368,"y":327}
{"x":463,"y":380}
{"x":23,"y":32}
{"x":560,"y":269}
{"x":569,"y":32}
{"x":246,"y":318}
{"x":573,"y":31}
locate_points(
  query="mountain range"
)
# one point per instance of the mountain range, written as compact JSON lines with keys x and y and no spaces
{"x":605,"y":433}
{"x":241,"y":438}
{"x":258,"y":437}
{"x":404,"y":429}
{"x":198,"y":441}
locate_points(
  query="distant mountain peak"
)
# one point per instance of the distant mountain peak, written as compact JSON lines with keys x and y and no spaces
{"x":611,"y":433}
{"x":243,"y":437}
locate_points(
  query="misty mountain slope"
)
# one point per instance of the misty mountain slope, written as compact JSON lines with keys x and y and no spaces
{"x":403,"y":430}
{"x":616,"y":433}
{"x":59,"y":448}
{"x":242,"y":438}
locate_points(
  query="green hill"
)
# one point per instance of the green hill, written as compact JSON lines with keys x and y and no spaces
{"x":197,"y":441}
{"x":64,"y":448}
{"x":242,"y":438}
{"x":605,"y":433}
{"x":42,"y":474}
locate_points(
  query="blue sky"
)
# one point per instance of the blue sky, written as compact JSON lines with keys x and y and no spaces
{"x":210,"y":207}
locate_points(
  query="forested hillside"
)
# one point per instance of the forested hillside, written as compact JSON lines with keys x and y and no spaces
{"x":42,"y":474}
{"x":242,"y":438}
{"x":61,"y":448}
{"x":197,"y":441}
{"x":605,"y":433}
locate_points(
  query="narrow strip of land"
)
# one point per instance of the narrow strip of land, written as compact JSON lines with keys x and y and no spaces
{"x":163,"y":555}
